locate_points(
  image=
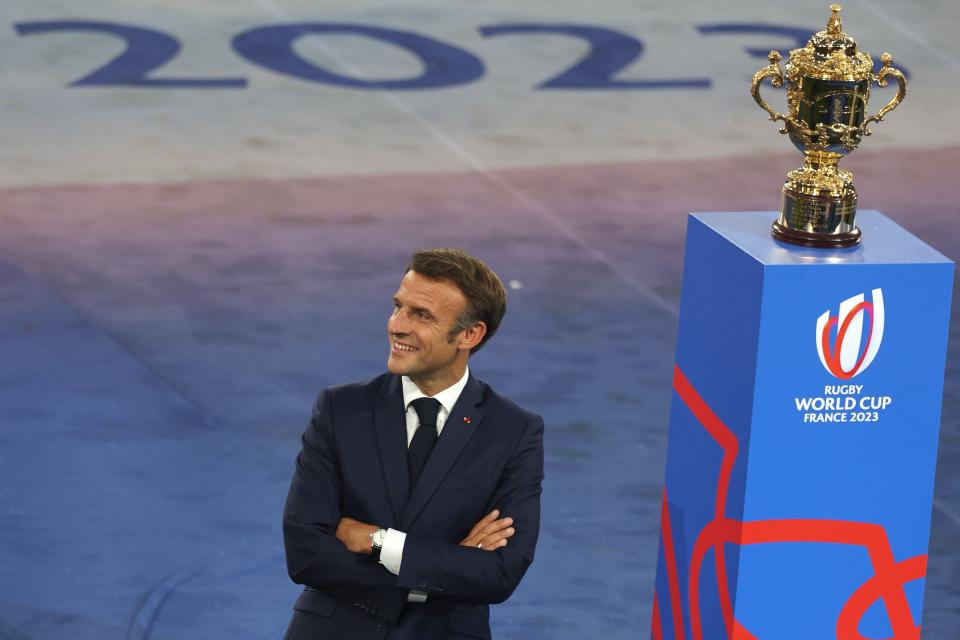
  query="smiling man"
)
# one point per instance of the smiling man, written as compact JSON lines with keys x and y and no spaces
{"x":415,"y":503}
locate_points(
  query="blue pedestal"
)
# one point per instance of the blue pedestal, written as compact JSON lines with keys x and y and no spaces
{"x":803,"y":434}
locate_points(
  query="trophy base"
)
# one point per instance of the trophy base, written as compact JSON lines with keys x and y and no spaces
{"x":817,"y":221}
{"x":813,"y":239}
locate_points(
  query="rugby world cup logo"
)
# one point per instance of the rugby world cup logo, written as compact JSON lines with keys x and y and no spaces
{"x":848,"y":342}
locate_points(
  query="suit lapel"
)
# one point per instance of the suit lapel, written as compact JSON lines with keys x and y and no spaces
{"x":391,"y":427}
{"x":457,"y":431}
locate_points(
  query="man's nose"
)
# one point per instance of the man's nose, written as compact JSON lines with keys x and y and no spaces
{"x":397,"y":322}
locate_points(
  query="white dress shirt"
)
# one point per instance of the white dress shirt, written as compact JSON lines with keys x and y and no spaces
{"x":391,"y":555}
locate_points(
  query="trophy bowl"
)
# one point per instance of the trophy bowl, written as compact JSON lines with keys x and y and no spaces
{"x":828,"y":88}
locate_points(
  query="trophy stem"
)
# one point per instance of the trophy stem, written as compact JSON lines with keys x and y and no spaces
{"x":819,"y":204}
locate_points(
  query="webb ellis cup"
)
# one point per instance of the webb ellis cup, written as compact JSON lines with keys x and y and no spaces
{"x":828,"y":86}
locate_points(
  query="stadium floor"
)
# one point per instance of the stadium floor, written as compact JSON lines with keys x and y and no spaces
{"x":184,"y":265}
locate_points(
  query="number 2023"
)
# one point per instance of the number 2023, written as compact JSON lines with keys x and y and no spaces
{"x":444,"y":64}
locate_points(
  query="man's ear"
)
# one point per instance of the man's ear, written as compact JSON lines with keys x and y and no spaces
{"x":472,"y":336}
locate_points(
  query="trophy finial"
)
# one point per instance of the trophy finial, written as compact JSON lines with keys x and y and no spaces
{"x":834,"y":24}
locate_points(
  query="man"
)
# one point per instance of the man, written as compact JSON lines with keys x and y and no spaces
{"x":416,"y":497}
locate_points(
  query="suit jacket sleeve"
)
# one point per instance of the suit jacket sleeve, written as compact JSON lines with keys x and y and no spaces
{"x":451,"y":571}
{"x":315,"y":557}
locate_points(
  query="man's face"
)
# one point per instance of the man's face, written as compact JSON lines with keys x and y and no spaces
{"x":424,"y":312}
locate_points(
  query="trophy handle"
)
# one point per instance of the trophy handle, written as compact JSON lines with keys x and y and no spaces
{"x":881,"y":79}
{"x":773,"y":71}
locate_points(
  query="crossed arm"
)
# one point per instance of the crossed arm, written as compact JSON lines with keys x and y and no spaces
{"x":328,"y":551}
{"x":471,"y":575}
{"x":489,"y":534}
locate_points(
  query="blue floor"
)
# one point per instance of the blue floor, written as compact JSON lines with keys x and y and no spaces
{"x":153,"y":420}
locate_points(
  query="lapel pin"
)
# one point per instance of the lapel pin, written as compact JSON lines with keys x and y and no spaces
{"x":466,"y":420}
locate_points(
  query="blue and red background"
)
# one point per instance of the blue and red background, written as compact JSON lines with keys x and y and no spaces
{"x":784,"y":519}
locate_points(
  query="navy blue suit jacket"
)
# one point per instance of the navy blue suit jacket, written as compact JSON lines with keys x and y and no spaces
{"x":353,"y":463}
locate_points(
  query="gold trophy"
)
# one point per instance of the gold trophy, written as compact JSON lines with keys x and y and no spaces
{"x":828,"y":85}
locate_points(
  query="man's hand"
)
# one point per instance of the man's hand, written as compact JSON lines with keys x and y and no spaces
{"x":355,"y":535}
{"x":489,"y":534}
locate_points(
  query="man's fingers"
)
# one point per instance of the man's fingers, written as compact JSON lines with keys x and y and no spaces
{"x":480,"y":532}
{"x":490,"y":517}
{"x":491,"y":532}
{"x":496,"y":525}
{"x":487,"y":519}
{"x":493,"y":546}
{"x":493,"y":538}
{"x":491,"y":541}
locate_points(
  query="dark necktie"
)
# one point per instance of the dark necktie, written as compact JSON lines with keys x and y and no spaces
{"x":425,"y":437}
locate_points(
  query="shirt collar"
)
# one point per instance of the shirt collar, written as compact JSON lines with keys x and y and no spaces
{"x":447,"y":398}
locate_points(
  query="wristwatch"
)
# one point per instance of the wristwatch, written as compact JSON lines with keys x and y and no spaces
{"x":376,"y":543}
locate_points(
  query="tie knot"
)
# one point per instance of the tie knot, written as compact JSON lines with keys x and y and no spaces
{"x":427,"y":409}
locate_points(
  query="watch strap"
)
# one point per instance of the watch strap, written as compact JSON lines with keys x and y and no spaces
{"x":376,"y":543}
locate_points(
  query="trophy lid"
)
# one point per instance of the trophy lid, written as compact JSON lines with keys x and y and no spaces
{"x":831,"y":54}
